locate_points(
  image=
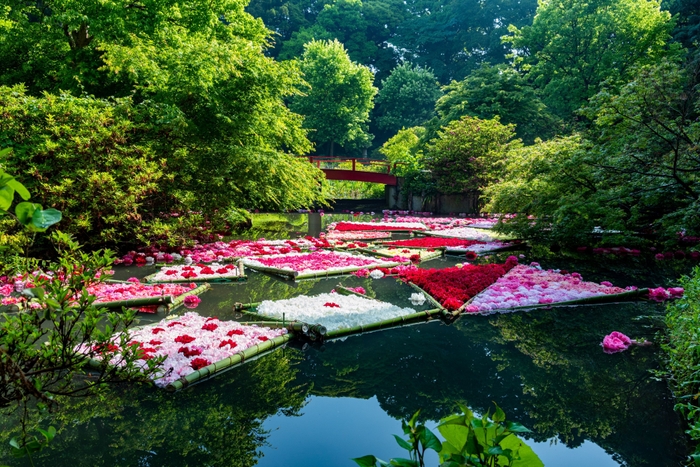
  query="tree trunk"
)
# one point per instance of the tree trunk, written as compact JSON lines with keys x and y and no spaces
{"x":332,"y":147}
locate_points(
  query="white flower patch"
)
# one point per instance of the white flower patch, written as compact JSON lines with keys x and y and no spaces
{"x":466,"y":233}
{"x":417,"y":299}
{"x":376,"y":274}
{"x":334,"y":311}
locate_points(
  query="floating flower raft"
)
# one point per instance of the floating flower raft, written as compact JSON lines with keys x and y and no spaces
{"x":213,"y":272}
{"x":415,"y":255}
{"x":335,"y":235}
{"x":466,"y":233}
{"x":381,"y":226}
{"x":195,"y":347}
{"x":316,"y":264}
{"x":531,"y":287}
{"x":453,"y":287}
{"x":146,"y":297}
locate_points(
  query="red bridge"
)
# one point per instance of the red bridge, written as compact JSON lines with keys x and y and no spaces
{"x":356,"y":169}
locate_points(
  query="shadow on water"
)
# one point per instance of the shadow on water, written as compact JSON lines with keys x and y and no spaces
{"x":545,"y":368}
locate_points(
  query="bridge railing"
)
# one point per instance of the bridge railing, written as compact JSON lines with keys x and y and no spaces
{"x":357,"y":164}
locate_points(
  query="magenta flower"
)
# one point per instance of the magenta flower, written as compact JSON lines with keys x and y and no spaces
{"x":616,"y":342}
{"x":192,"y":301}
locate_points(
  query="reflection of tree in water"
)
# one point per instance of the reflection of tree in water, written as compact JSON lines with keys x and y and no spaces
{"x":545,"y":369}
{"x":217,"y":423}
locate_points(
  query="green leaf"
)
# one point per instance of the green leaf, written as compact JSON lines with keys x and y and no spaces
{"x":494,"y":451}
{"x":517,"y":427}
{"x":46,"y":218}
{"x":7,"y":194}
{"x":412,"y":421}
{"x":430,"y":441}
{"x":366,"y":461}
{"x":400,"y":462}
{"x":499,"y":415}
{"x":454,"y":434}
{"x":403,"y":443}
{"x":527,"y":457}
{"x":38,"y":292}
{"x":25,"y":210}
{"x":696,"y":459}
{"x":14,"y":443}
{"x":19,"y":188}
{"x":53,"y":303}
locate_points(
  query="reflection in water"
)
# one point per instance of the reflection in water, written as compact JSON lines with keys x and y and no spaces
{"x":545,"y":368}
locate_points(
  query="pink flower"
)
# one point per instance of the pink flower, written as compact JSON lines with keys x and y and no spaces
{"x":659,"y":256}
{"x":676,"y":292}
{"x":134,"y":280}
{"x":192,"y":301}
{"x":616,"y":342}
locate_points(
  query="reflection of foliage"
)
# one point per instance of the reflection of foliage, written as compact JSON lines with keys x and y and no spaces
{"x":550,"y":371}
{"x":217,"y":423}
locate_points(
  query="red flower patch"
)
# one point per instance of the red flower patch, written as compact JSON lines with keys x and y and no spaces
{"x":187,"y":352}
{"x":263,"y":338}
{"x":184,"y":339}
{"x":331,"y":305}
{"x":210,"y":327}
{"x":235,"y":332}
{"x":199,"y":363}
{"x":228,"y":342}
{"x":157,"y":330}
{"x":155,"y":342}
{"x":173,"y":324}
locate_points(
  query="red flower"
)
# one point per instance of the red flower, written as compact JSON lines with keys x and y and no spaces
{"x":228,"y":342}
{"x":263,"y":338}
{"x":174,"y":323}
{"x":155,"y":342}
{"x":235,"y":332}
{"x":331,"y":305}
{"x":221,"y":271}
{"x":157,"y":330}
{"x":198,"y":363}
{"x":415,"y":258}
{"x":170,"y":272}
{"x":187,"y":352}
{"x":210,"y":327}
{"x":184,"y":339}
{"x":206,"y":270}
{"x":471,"y":255}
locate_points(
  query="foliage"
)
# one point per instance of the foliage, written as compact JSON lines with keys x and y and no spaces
{"x":683,"y":337}
{"x":405,"y":149}
{"x":407,"y":98}
{"x":347,"y":189}
{"x":340,"y":97}
{"x":61,"y":317}
{"x":502,"y":91}
{"x":489,"y":440}
{"x":573,"y":46}
{"x":469,"y":153}
{"x":687,"y":15}
{"x":186,"y":80}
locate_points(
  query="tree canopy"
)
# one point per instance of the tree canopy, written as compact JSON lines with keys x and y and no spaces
{"x":340,"y":96}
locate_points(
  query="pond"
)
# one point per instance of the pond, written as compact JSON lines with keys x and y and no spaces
{"x":320,"y":405}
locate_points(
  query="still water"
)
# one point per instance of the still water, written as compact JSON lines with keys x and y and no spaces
{"x":320,"y":405}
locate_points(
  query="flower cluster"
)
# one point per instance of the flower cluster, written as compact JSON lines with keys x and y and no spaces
{"x":355,"y":235}
{"x":345,"y":311}
{"x":435,"y":242}
{"x":412,"y":255}
{"x":315,"y":262}
{"x":113,"y":292}
{"x":615,"y":342}
{"x":208,"y":340}
{"x":382,"y":226}
{"x":466,"y":233}
{"x":530,"y":285}
{"x":660,"y":294}
{"x":679,"y":254}
{"x":452,"y":287}
{"x":197,"y":271}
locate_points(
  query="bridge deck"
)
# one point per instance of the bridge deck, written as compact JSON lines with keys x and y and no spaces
{"x":380,"y":174}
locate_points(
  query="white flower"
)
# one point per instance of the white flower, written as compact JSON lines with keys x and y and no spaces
{"x":376,"y":274}
{"x":417,"y":299}
{"x":188,"y":260}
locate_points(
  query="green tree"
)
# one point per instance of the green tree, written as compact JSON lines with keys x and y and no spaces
{"x":198,"y":66}
{"x":502,"y":91}
{"x":337,"y":105}
{"x":573,"y":46}
{"x":469,"y":154}
{"x":407,"y":98}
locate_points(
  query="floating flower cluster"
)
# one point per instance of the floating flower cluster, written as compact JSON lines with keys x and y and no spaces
{"x":197,"y":272}
{"x":413,"y":255}
{"x":529,"y":285}
{"x":334,"y":235}
{"x":113,"y":292}
{"x":467,"y":233}
{"x":228,"y":251}
{"x":615,"y":342}
{"x":486,"y":247}
{"x":191,"y":342}
{"x":452,"y":287}
{"x":660,"y":294}
{"x":347,"y":310}
{"x":316,"y":262}
{"x":382,"y":226}
{"x":435,"y":242}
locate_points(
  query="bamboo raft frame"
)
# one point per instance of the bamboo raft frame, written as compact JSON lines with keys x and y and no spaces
{"x":241,"y":277}
{"x":434,"y":233}
{"x":399,"y":321}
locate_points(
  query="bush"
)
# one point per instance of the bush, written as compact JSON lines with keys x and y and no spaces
{"x":683,"y":359}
